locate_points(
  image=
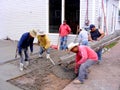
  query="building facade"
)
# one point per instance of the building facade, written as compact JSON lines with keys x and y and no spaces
{"x":19,"y":16}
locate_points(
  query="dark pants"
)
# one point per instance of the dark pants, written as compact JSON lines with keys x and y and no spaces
{"x":24,"y":57}
{"x":99,"y":53}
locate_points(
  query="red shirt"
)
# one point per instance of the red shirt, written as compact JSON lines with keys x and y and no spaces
{"x":84,"y":54}
{"x":64,"y":30}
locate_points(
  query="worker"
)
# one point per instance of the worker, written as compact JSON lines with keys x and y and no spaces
{"x":44,"y":43}
{"x":96,"y":35}
{"x":85,"y":57}
{"x":25,"y":41}
{"x":83,"y":37}
{"x":64,"y":30}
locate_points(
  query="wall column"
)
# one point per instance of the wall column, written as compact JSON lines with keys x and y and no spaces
{"x":80,"y":21}
{"x":63,"y":11}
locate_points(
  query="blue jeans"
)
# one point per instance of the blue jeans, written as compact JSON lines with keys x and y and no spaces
{"x":99,"y":53}
{"x":42,"y":50}
{"x":63,"y":43}
{"x":83,"y":73}
{"x":22,"y":59}
{"x":85,"y":42}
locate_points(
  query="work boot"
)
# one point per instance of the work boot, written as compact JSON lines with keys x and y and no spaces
{"x":77,"y":82}
{"x":21,"y":66}
{"x":48,"y":56}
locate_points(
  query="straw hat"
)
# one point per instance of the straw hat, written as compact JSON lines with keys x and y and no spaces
{"x":41,"y":33}
{"x":33,"y":33}
{"x":72,"y":45}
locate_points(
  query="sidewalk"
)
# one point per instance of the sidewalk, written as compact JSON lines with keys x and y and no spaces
{"x":8,"y":50}
{"x":7,"y":70}
{"x":105,"y":76}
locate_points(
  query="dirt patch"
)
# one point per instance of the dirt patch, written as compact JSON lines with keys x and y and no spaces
{"x":39,"y":82}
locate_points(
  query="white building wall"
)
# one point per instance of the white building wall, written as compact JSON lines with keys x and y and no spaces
{"x":112,"y":16}
{"x":92,"y":9}
{"x":96,"y":11}
{"x":19,"y":16}
{"x":117,"y":18}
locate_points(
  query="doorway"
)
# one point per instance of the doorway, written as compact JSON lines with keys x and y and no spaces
{"x":72,"y":9}
{"x":71,"y":14}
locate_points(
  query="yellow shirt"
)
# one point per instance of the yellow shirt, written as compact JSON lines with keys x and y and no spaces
{"x":44,"y":41}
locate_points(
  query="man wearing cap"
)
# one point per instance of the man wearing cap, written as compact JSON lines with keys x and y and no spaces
{"x":64,"y":30}
{"x":85,"y":57}
{"x":96,"y":35}
{"x":44,"y":43}
{"x":25,"y":41}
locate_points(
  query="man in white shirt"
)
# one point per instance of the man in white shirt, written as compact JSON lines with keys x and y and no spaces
{"x":83,"y":37}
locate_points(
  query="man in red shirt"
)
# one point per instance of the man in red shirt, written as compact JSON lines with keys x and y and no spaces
{"x":64,"y":30}
{"x":85,"y":57}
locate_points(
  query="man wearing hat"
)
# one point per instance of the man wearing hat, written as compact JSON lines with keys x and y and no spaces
{"x":44,"y":43}
{"x":85,"y":57}
{"x":64,"y":30}
{"x":25,"y":41}
{"x":96,"y":35}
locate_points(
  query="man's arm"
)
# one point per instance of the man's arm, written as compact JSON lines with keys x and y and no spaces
{"x":90,"y":38}
{"x":102,"y":35}
{"x":31,"y":45}
{"x":69,"y":29}
{"x":59,"y":30}
{"x":22,"y":39}
{"x":47,"y":42}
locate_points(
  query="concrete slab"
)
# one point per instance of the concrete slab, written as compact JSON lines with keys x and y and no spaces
{"x":9,"y":71}
{"x":8,"y":50}
{"x":7,"y":86}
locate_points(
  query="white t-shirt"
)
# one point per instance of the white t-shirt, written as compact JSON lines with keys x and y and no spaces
{"x":83,"y":35}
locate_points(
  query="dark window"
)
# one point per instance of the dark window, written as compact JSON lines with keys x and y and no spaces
{"x":54,"y":15}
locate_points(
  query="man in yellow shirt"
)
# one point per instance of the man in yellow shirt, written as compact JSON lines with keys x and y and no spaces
{"x":44,"y":43}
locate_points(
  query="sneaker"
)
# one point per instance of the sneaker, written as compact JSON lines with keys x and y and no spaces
{"x":40,"y":56}
{"x":21,"y":66}
{"x":77,"y":82}
{"x":48,"y":56}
